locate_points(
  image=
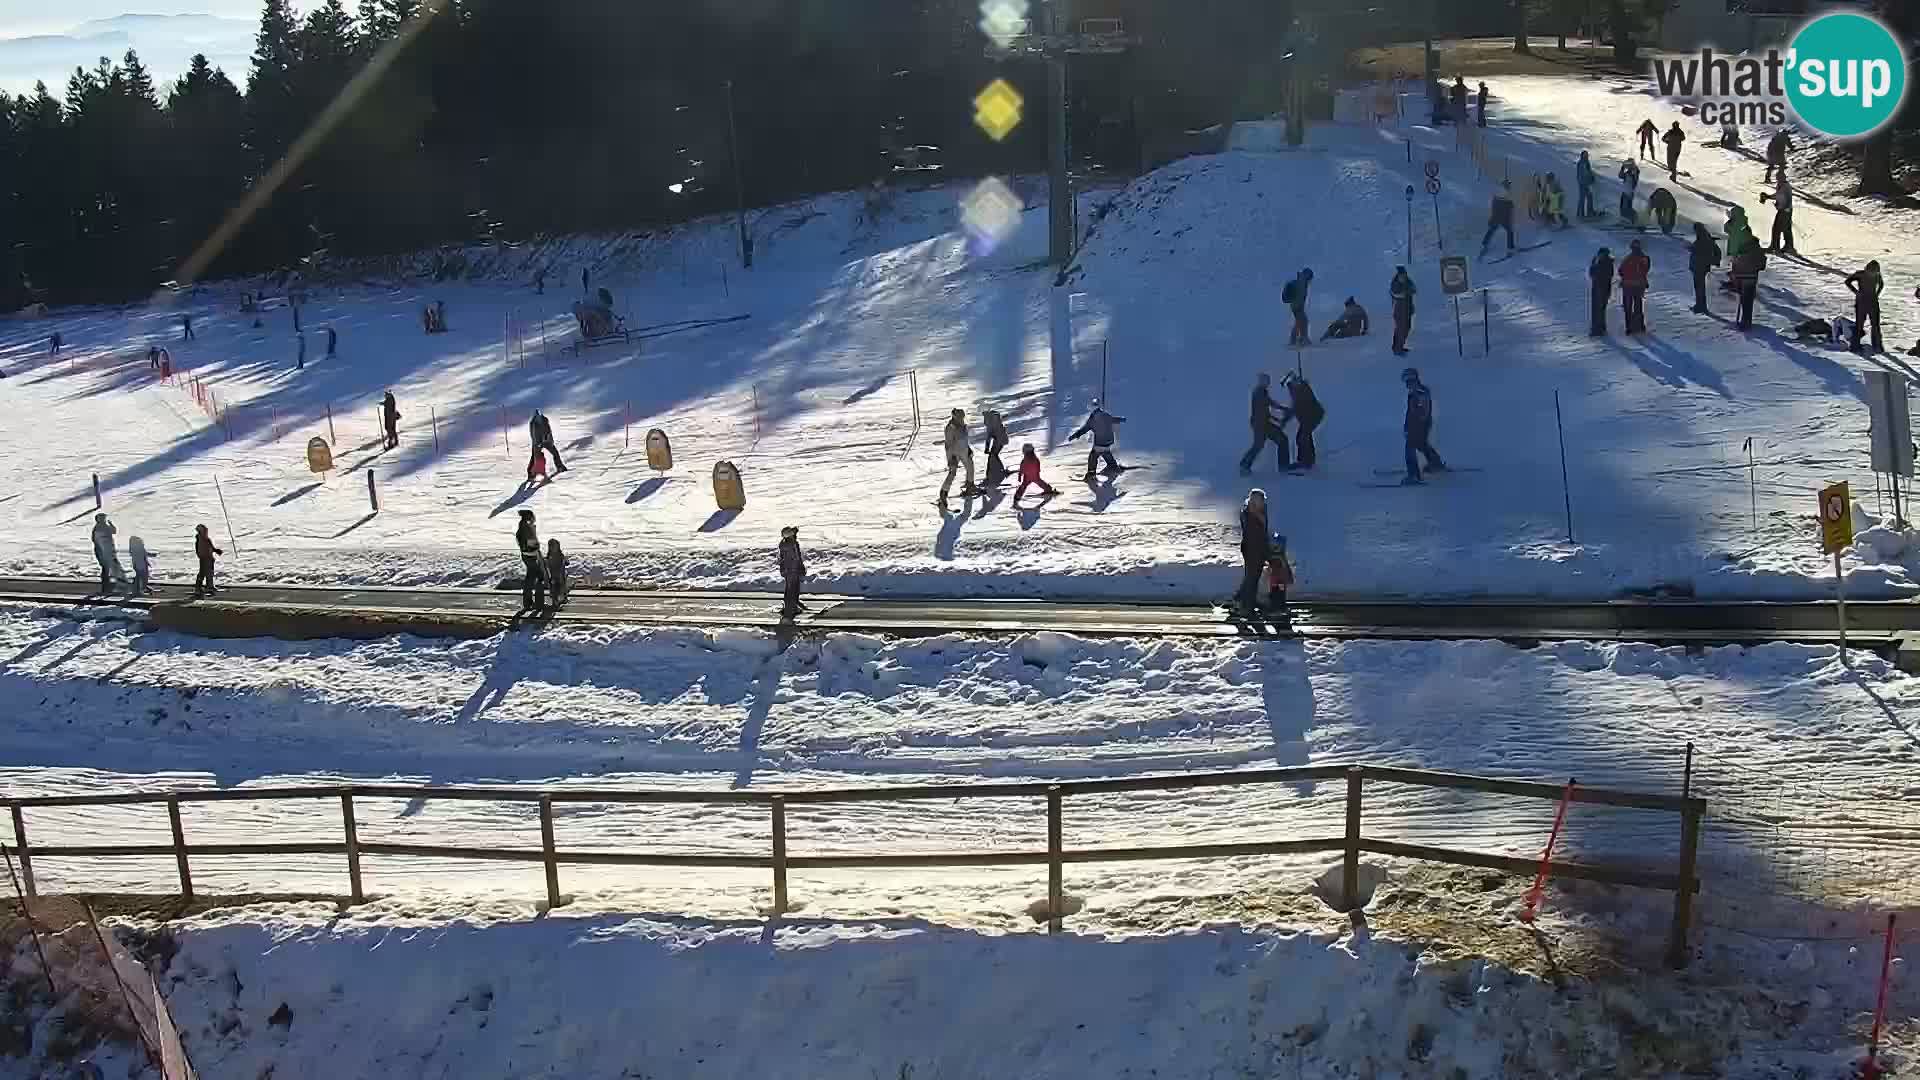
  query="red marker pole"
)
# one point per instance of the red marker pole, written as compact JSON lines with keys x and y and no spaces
{"x":1871,"y":1067}
{"x":1546,"y":857}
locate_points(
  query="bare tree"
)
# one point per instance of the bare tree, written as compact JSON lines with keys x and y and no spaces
{"x":1876,"y":158}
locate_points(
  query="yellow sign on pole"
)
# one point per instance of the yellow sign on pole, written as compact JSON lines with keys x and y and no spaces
{"x":1836,"y":519}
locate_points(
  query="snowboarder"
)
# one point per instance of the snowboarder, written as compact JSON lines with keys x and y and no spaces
{"x":1418,"y":427}
{"x":1666,"y":213}
{"x":959,"y":452}
{"x":142,"y":561}
{"x":186,"y":327}
{"x":1307,"y":415}
{"x":1482,"y":102}
{"x":1746,"y":278}
{"x":1629,"y":187}
{"x":1030,"y":474}
{"x":533,"y":587}
{"x":333,"y":342}
{"x":1457,"y":93}
{"x":540,"y":432}
{"x":204,"y":551}
{"x":1268,"y":423}
{"x":1866,"y":284}
{"x":1254,"y":549}
{"x":1777,"y":148}
{"x":1500,"y":216}
{"x":1401,"y":289}
{"x":1782,"y":214}
{"x":1600,"y":275}
{"x":793,"y":571}
{"x":1633,"y":288}
{"x":1702,"y":256}
{"x":390,"y":419}
{"x":1673,"y":138}
{"x":557,"y":586}
{"x":1100,"y":423}
{"x":1647,"y":132}
{"x":1294,"y":295}
{"x":1583,"y":176}
{"x":996,"y":443}
{"x":1279,"y":575}
{"x":1351,"y":323}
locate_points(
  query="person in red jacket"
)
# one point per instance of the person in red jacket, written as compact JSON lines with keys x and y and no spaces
{"x":1030,"y":474}
{"x":1633,"y":288}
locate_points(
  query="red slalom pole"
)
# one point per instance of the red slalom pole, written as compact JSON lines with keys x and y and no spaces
{"x":1546,"y":857}
{"x":1871,"y":1067}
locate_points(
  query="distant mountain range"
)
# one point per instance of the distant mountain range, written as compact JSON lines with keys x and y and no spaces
{"x":166,"y":44}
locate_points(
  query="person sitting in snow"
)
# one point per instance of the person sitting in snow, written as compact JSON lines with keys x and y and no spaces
{"x":1351,"y":323}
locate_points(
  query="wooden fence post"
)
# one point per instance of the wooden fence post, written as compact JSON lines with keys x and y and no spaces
{"x":353,"y":847}
{"x":1350,"y":864}
{"x":1683,"y":893}
{"x":180,"y":848}
{"x":779,"y":855}
{"x":1056,"y":894}
{"x":25,"y":853}
{"x":546,"y":849}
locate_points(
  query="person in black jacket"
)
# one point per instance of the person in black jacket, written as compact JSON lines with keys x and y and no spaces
{"x":390,"y":419}
{"x":204,"y":551}
{"x":1307,"y":415}
{"x":1702,"y":256}
{"x":1481,"y":100}
{"x":1600,"y":273}
{"x":1402,"y":290}
{"x":1268,"y":422}
{"x":1866,"y":285}
{"x":1500,"y":216}
{"x":1254,"y":549}
{"x":1418,"y":427}
{"x":533,"y":587}
{"x":793,"y":571}
{"x":541,"y":431}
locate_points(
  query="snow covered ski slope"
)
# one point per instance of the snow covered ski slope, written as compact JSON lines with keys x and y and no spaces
{"x":855,"y":306}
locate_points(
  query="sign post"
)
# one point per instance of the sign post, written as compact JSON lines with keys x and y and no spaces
{"x":1409,"y":224}
{"x":1454,"y":281}
{"x":1433,"y":189}
{"x":1836,"y":535}
{"x":1890,"y":431}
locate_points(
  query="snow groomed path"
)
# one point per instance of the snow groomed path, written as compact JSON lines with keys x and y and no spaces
{"x":1870,"y":624}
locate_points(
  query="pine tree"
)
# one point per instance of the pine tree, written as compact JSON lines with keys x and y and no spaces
{"x":139,"y":84}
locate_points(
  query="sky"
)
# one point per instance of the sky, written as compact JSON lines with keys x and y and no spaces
{"x":39,"y":41}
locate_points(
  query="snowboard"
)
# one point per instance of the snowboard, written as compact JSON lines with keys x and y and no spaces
{"x":1107,"y":475}
{"x":1519,"y":251}
{"x":1429,"y":476}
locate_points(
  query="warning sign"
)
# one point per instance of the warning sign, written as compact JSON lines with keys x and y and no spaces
{"x":1453,"y":275}
{"x":1836,"y":519}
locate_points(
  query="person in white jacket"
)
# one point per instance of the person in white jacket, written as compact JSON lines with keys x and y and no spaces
{"x":959,"y":452}
{"x":104,"y":554}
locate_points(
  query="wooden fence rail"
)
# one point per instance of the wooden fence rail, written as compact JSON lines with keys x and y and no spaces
{"x":1682,"y":881}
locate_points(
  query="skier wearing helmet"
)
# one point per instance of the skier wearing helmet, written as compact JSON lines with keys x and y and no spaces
{"x":1419,"y":428}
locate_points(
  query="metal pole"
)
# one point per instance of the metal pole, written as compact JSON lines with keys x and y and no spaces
{"x":332,"y":439}
{"x":1409,"y":212}
{"x":25,"y":853}
{"x":1059,"y":184}
{"x":1871,"y":1068}
{"x":96,"y":491}
{"x":1753,"y":491}
{"x":779,"y":855}
{"x":1459,"y":335}
{"x":1439,"y":233}
{"x":1486,"y":324}
{"x":1566,"y":491}
{"x":232,"y":540}
{"x":739,"y":189}
{"x":1840,"y":604}
{"x":1103,"y":373}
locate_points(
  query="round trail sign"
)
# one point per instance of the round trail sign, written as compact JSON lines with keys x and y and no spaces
{"x":1433,"y":169}
{"x":1433,"y":187}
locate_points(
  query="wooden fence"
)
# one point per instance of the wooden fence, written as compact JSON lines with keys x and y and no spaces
{"x":1682,"y":881}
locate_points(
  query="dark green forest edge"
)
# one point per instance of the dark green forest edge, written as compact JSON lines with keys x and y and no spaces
{"x":502,"y":120}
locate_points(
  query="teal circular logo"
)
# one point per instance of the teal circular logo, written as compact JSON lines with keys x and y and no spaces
{"x":1846,"y":75}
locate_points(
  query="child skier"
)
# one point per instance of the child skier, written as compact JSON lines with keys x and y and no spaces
{"x":1279,"y":574}
{"x":1030,"y":474}
{"x":557,"y":585}
{"x":142,"y":561}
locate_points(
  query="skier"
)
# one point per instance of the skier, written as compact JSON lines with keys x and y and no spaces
{"x":1482,"y":102}
{"x":1702,"y":256}
{"x":1583,"y":176}
{"x":104,"y":554}
{"x":1600,"y":275}
{"x":793,"y":571}
{"x":1100,"y":422}
{"x":1268,"y":423}
{"x":333,"y":342}
{"x":959,"y":453}
{"x":996,"y":443}
{"x":533,"y":587}
{"x":1630,"y":186}
{"x":153,"y":358}
{"x":186,"y":327}
{"x":1279,"y":575}
{"x":1647,"y":132}
{"x":1782,"y":213}
{"x":1401,"y":288}
{"x":1665,"y":211}
{"x":1030,"y":474}
{"x":54,"y":343}
{"x":1673,"y":138}
{"x":390,"y":419}
{"x":1866,"y":284}
{"x":1308,"y":414}
{"x":1777,"y":148}
{"x":1351,"y":323}
{"x":1500,"y":216}
{"x":1556,"y":211}
{"x":540,"y":429}
{"x":1294,"y":295}
{"x":1254,"y":549}
{"x":204,"y":551}
{"x":1418,"y":427}
{"x":536,"y":465}
{"x":142,"y":561}
{"x":557,"y":586}
{"x":1746,"y":278}
{"x":1458,"y":94}
{"x":1633,"y":288}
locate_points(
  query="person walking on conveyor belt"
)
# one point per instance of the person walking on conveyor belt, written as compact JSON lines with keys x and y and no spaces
{"x":1254,"y":549}
{"x":533,"y":587}
{"x":203,"y":552}
{"x":793,"y":571}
